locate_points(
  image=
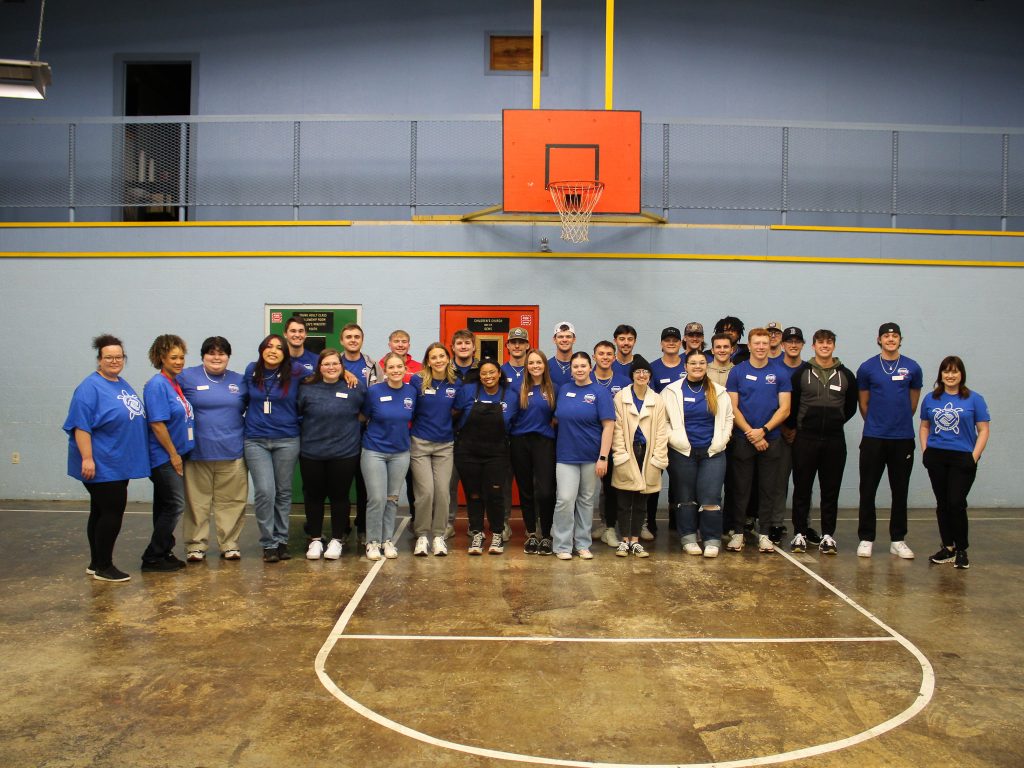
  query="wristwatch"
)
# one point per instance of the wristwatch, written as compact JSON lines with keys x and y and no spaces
{"x":602,"y":458}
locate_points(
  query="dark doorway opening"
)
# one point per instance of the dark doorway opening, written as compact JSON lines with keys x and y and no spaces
{"x":155,"y":158}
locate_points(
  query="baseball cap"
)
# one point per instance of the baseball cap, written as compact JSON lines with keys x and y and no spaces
{"x":671,"y":333}
{"x":518,"y":333}
{"x":564,"y":326}
{"x":774,"y":325}
{"x":792,"y":333}
{"x":694,"y":329}
{"x":889,"y":328}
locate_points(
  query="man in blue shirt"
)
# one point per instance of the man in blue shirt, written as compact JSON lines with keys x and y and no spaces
{"x":564,"y":338}
{"x":295,"y":335}
{"x":890,"y":388}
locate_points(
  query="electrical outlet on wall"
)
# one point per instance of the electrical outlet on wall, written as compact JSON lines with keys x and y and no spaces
{"x":15,"y":458}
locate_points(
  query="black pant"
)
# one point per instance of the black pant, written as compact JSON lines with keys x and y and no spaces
{"x":106,"y":511}
{"x":483,"y":478}
{"x":632,"y":504}
{"x":611,"y":507}
{"x":826,"y":458}
{"x":533,"y":462}
{"x":952,"y":474}
{"x":750,"y":469}
{"x":878,"y":456}
{"x":323,"y":479}
{"x":360,"y":501}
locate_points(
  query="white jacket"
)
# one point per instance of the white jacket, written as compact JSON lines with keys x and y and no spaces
{"x":677,"y":440}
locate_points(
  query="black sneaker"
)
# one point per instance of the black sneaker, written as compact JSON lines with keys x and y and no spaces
{"x":532,"y":546}
{"x":270,"y":555}
{"x":173,"y":560}
{"x":961,"y":560}
{"x":110,"y":573}
{"x":944,"y":555}
{"x":158,"y":566}
{"x":812,"y":537}
{"x":776,"y":534}
{"x":282,"y":552}
{"x":545,"y":547}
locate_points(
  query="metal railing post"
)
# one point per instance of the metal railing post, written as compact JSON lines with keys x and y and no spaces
{"x":893,"y":194}
{"x":785,"y":174}
{"x":296,"y":150}
{"x":413,"y":125}
{"x":1005,"y":209}
{"x":71,"y":171}
{"x":664,"y":169}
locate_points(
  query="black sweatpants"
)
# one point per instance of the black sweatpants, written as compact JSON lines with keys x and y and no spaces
{"x":824,"y":457}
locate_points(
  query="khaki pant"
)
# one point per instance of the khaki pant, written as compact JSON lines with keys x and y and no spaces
{"x":219,"y":488}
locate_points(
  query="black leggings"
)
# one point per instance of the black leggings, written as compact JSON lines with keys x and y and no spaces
{"x":323,"y":479}
{"x":106,"y":511}
{"x":533,"y":460}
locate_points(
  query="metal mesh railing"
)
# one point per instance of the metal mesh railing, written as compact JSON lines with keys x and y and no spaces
{"x":207,"y":167}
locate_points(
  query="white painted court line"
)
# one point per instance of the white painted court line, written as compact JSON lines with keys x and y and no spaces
{"x":649,"y":640}
{"x":923,"y":697}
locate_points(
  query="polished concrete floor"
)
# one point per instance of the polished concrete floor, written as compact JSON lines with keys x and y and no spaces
{"x":464,"y":661}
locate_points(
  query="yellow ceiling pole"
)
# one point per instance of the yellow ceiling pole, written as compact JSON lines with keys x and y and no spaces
{"x":609,"y":53}
{"x":536,"y":53}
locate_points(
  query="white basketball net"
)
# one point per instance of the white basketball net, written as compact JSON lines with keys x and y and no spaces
{"x":575,"y":201}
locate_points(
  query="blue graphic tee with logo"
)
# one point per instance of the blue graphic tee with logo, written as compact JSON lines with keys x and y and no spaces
{"x":953,"y":420}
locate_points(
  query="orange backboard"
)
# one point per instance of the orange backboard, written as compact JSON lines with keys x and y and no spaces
{"x":544,"y":145}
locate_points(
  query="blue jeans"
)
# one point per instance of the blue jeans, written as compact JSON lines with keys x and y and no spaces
{"x":384,"y":474}
{"x":271,"y":463}
{"x":699,"y":479}
{"x":168,"y":506}
{"x":576,"y":489}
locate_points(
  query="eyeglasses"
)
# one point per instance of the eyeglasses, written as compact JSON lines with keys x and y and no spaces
{"x":641,"y":372}
{"x":113,"y":358}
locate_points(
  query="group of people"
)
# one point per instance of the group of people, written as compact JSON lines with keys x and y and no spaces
{"x":726,"y":425}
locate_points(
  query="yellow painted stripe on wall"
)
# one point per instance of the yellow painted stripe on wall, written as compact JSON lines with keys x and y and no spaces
{"x":888,"y":231}
{"x":187,"y":224}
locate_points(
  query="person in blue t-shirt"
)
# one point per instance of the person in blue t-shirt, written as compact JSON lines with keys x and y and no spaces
{"x":107,"y":447}
{"x":532,"y":450}
{"x":560,"y":362}
{"x":605,"y":375}
{"x":171,"y":438}
{"x":431,"y":449}
{"x":216,"y":480}
{"x":329,"y":447}
{"x":624,"y":337}
{"x":389,"y":408}
{"x":760,"y":391}
{"x":295,"y":334}
{"x":586,"y":417}
{"x":954,"y":433}
{"x":483,"y":411}
{"x":272,"y":442}
{"x":890,"y":388}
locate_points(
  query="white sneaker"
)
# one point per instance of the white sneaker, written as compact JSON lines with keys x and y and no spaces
{"x":373,"y":550}
{"x":449,"y":531}
{"x":389,"y":550}
{"x":506,"y":532}
{"x":497,"y":544}
{"x":764,"y":544}
{"x":864,"y":549}
{"x":623,"y":549}
{"x":333,"y":551}
{"x":692,"y":548}
{"x":563,"y":555}
{"x":645,"y":533}
{"x":710,"y":551}
{"x":609,"y":537}
{"x":900,"y":548}
{"x":735,"y":543}
{"x":598,"y":533}
{"x":440,"y":548}
{"x":422,"y":548}
{"x":586,"y":554}
{"x":315,"y":550}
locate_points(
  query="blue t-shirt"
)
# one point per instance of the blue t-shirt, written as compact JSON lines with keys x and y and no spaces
{"x":580,"y":412}
{"x":698,"y":420}
{"x":114,"y":416}
{"x":164,"y":404}
{"x":662,"y":375}
{"x":389,"y":411}
{"x":219,"y":404}
{"x":561,"y":373}
{"x":363,"y":369}
{"x":330,"y":419}
{"x":536,"y":417}
{"x":889,"y":383}
{"x":307,"y":361}
{"x":433,"y":420}
{"x":626,"y":369}
{"x":638,"y":436}
{"x":758,"y":390}
{"x":513,"y":376}
{"x":614,"y":385}
{"x":953,"y":420}
{"x":475,"y":392}
{"x":271,"y":413}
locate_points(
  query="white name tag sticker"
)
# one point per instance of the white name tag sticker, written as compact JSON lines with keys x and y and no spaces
{"x":386,"y":399}
{"x":690,"y":399}
{"x":570,"y":394}
{"x":836,"y":387}
{"x":751,"y":378}
{"x":343,"y":395}
{"x":202,"y":387}
{"x":191,"y":435}
{"x":898,"y":378}
{"x":664,"y":381}
{"x":266,"y":406}
{"x":430,"y":391}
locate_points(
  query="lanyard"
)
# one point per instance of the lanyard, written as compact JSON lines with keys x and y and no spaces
{"x":181,"y":395}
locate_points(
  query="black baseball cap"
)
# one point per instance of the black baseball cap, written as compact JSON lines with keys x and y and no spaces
{"x":889,"y":328}
{"x":792,"y":333}
{"x":671,"y":333}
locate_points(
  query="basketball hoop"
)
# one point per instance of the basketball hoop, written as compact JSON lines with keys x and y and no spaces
{"x":575,"y":201}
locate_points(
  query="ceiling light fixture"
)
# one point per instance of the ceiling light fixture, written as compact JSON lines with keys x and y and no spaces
{"x":26,"y":79}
